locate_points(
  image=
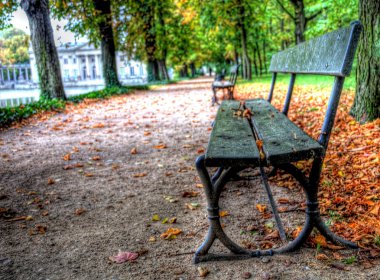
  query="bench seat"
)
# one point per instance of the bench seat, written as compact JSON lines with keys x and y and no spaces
{"x":232,"y":140}
{"x":222,"y":84}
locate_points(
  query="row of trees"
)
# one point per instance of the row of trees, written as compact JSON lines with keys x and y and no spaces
{"x":14,"y":46}
{"x":186,"y":34}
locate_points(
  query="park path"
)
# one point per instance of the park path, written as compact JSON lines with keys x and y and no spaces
{"x":77,"y":187}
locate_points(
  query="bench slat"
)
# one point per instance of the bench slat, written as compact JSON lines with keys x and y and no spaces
{"x":283,"y":141}
{"x":330,"y":54}
{"x":231,"y":141}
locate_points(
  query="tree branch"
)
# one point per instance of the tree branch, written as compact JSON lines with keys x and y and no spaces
{"x":284,"y":9}
{"x":313,"y":16}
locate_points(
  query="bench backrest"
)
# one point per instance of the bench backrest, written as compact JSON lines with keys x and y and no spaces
{"x":234,"y":73}
{"x":331,"y":54}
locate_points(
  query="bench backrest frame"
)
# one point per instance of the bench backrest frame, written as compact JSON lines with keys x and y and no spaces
{"x":331,"y":54}
{"x":234,"y":73}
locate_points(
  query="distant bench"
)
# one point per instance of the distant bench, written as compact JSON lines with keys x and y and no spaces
{"x":253,"y":134}
{"x":225,"y":85}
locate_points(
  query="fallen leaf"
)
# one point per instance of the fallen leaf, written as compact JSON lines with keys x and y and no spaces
{"x":134,"y":151}
{"x":190,"y":194}
{"x":201,"y":151}
{"x":139,"y":175}
{"x":155,"y":218}
{"x":66,"y":157}
{"x":262,"y":208}
{"x":165,"y":220}
{"x":173,"y":220}
{"x":79,"y":211}
{"x":322,"y":257}
{"x":96,"y":158}
{"x":203,"y":271}
{"x":192,"y":206}
{"x":152,"y":239}
{"x":41,"y":229}
{"x":88,"y":174}
{"x":160,"y":146}
{"x":199,"y":185}
{"x":223,"y":213}
{"x":123,"y":257}
{"x":98,"y":125}
{"x":171,"y":233}
{"x":51,"y":181}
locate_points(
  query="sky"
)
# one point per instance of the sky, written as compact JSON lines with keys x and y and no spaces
{"x":20,"y":21}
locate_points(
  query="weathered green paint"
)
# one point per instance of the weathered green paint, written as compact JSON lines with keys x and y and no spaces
{"x":330,"y":54}
{"x":283,"y":141}
{"x":232,"y":141}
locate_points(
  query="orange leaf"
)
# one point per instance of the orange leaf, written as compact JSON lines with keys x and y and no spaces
{"x":51,"y":181}
{"x":95,"y":158}
{"x":160,"y":146}
{"x":171,"y":233}
{"x":67,"y":157}
{"x":261,"y":208}
{"x":138,"y":175}
{"x":134,"y":151}
{"x":98,"y":125}
{"x":223,"y":213}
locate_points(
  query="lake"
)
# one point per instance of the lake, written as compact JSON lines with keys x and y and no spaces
{"x":15,"y":97}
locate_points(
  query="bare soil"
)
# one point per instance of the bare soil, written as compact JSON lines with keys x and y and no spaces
{"x":81,"y":196}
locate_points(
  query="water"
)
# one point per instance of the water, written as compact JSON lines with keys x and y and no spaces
{"x":15,"y":97}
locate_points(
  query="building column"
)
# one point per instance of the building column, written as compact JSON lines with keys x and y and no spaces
{"x":14,"y":74}
{"x":97,"y":66}
{"x":8,"y":74}
{"x":27,"y":74}
{"x":20,"y":74}
{"x":87,"y":67}
{"x":2,"y":74}
{"x":100,"y":66}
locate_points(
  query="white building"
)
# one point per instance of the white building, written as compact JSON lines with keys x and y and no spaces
{"x":81,"y":65}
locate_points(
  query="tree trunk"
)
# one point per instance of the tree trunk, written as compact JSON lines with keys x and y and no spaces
{"x":192,"y":69}
{"x":366,"y":105}
{"x":163,"y":70}
{"x":247,"y":71}
{"x":150,"y":43}
{"x":299,"y":20}
{"x":44,"y":49}
{"x":259,"y":57}
{"x":255,"y":62}
{"x":107,"y":42}
{"x":162,"y":62}
{"x":265,"y":55}
{"x":184,"y":73}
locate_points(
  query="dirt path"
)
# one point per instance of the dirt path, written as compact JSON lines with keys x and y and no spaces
{"x":82,"y":195}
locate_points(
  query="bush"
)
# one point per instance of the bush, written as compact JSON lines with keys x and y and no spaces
{"x":9,"y":115}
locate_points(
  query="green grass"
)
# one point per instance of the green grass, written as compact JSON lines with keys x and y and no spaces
{"x":320,"y":82}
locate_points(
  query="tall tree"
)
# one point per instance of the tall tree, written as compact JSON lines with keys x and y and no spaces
{"x":299,"y":18}
{"x":93,"y":19}
{"x":366,"y":105}
{"x":44,"y":49}
{"x":241,"y":24}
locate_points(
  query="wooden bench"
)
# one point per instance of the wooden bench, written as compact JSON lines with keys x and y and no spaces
{"x":225,"y":85}
{"x":264,"y":137}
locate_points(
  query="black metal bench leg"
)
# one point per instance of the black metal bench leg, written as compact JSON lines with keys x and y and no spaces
{"x":310,"y":187}
{"x":214,"y":98}
{"x":213,"y":191}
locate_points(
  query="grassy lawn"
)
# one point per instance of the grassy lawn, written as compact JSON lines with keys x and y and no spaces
{"x":304,"y":80}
